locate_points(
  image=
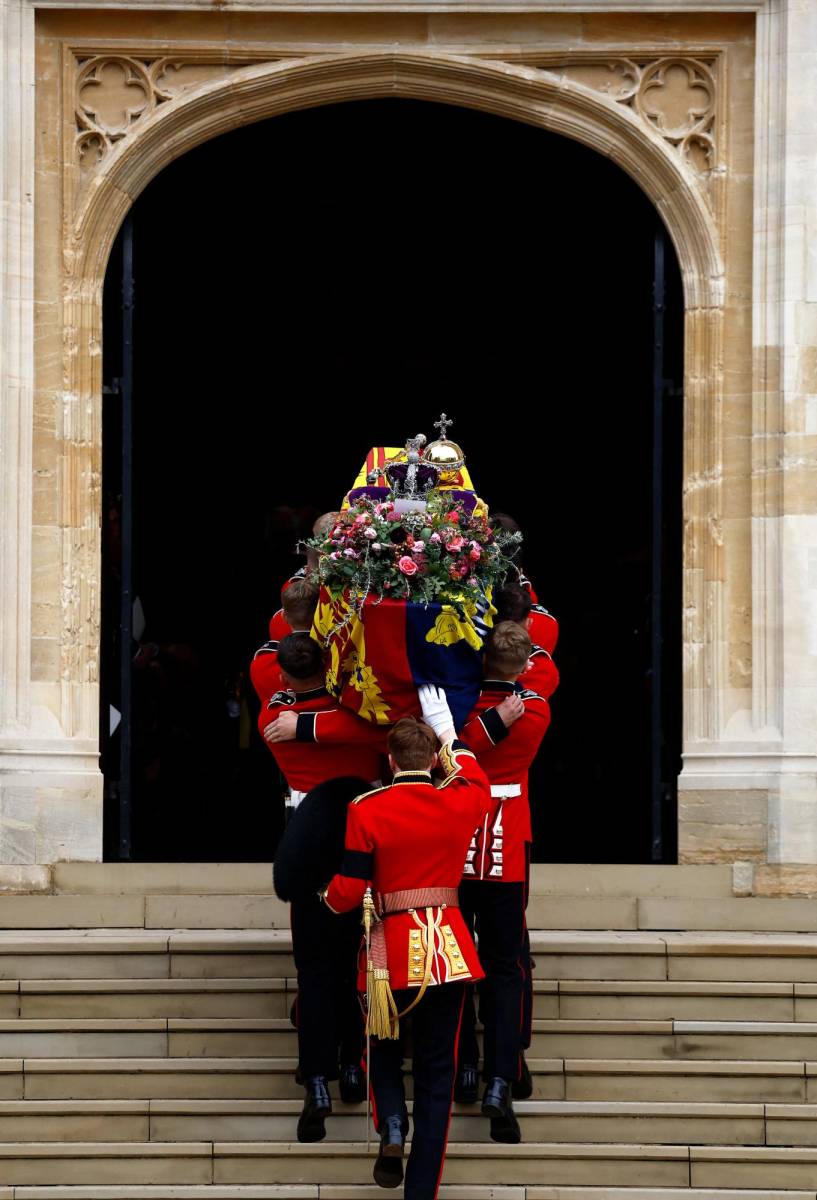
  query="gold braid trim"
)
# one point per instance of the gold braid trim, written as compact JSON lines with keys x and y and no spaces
{"x":383,"y":1019}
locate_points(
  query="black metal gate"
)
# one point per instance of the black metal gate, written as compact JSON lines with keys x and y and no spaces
{"x":118,"y":597}
{"x":664,"y":706}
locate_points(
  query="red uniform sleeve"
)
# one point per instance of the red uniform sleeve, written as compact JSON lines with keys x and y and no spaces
{"x":265,"y":674}
{"x":346,"y":890}
{"x":463,"y":770}
{"x":544,"y":628}
{"x":279,"y":626}
{"x":268,"y":714}
{"x":542,"y":675}
{"x":339,"y":725}
{"x":485,"y":730}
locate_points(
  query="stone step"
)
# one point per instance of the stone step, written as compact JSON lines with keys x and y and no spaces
{"x":681,"y":999}
{"x":272,"y":997}
{"x":273,"y":1078}
{"x":746,"y":913}
{"x":253,"y":1037}
{"x":536,"y":1167}
{"x":680,"y":1040}
{"x":344,"y":1163}
{"x":145,"y":954}
{"x":332,"y":1191}
{"x":560,"y":879}
{"x":266,"y":953}
{"x":191,"y":1078}
{"x":122,"y":998}
{"x":570,"y":910}
{"x":260,"y":1037}
{"x":275,"y":1120}
{"x":147,"y":1037}
{"x":666,"y":1082}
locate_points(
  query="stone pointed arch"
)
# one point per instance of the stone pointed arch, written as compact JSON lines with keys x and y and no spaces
{"x":535,"y":96}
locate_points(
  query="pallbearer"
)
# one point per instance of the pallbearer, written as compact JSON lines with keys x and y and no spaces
{"x":315,"y":742}
{"x":404,"y":847}
{"x":505,"y":730}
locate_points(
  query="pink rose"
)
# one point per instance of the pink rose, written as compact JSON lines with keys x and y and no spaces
{"x":435,"y":537}
{"x":350,"y":553}
{"x":475,"y":554}
{"x":335,"y":554}
{"x":456,"y":544}
{"x":370,"y":533}
{"x":362,"y":519}
{"x":407,"y":565}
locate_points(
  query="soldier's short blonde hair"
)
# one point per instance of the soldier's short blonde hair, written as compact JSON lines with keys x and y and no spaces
{"x":299,"y":600}
{"x":507,"y":649}
{"x":412,"y":744}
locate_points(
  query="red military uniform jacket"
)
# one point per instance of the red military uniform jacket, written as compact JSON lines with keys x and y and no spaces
{"x":542,"y":674}
{"x":413,"y":835}
{"x":498,"y":848}
{"x":526,"y":583}
{"x":347,"y":745}
{"x":544,"y":628}
{"x":279,"y":626}
{"x":265,"y":674}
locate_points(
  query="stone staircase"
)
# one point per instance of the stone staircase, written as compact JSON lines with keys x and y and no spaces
{"x":146,"y":1050}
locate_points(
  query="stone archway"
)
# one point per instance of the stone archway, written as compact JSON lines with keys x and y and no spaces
{"x":99,"y":193}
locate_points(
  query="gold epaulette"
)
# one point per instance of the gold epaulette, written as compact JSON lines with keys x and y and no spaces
{"x":373,"y":792}
{"x":449,"y":761}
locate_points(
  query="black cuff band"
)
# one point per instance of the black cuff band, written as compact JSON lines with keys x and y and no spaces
{"x":305,"y":727}
{"x":357,"y":864}
{"x":493,"y":725}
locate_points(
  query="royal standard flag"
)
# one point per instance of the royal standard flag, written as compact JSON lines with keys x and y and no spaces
{"x":380,"y":652}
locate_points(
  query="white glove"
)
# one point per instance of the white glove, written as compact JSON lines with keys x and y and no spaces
{"x":436,"y":712}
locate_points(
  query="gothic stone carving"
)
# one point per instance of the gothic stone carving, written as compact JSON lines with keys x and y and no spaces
{"x":114,"y":92}
{"x":675,"y":96}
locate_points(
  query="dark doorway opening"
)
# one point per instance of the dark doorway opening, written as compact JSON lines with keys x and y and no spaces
{"x":329,"y":280}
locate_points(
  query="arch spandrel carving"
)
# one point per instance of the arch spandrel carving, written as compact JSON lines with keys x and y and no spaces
{"x":182,"y":103}
{"x":675,"y":95}
{"x":139,"y":138}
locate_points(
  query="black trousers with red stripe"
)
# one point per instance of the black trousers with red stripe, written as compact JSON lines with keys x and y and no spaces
{"x":434,"y":1025}
{"x":329,"y":1018}
{"x":496,"y":913}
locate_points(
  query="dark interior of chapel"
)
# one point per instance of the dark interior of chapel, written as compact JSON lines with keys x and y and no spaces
{"x":330,"y":280}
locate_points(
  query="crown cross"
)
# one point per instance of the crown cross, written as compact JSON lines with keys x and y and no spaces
{"x":442,"y":425}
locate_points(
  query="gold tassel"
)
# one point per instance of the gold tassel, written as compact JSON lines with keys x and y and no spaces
{"x":383,"y":1019}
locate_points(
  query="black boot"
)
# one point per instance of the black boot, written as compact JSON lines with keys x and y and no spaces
{"x":388,"y":1169}
{"x":498,"y":1105}
{"x":466,"y":1087}
{"x":352,"y":1085}
{"x":522,"y":1088}
{"x":317,"y":1107}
